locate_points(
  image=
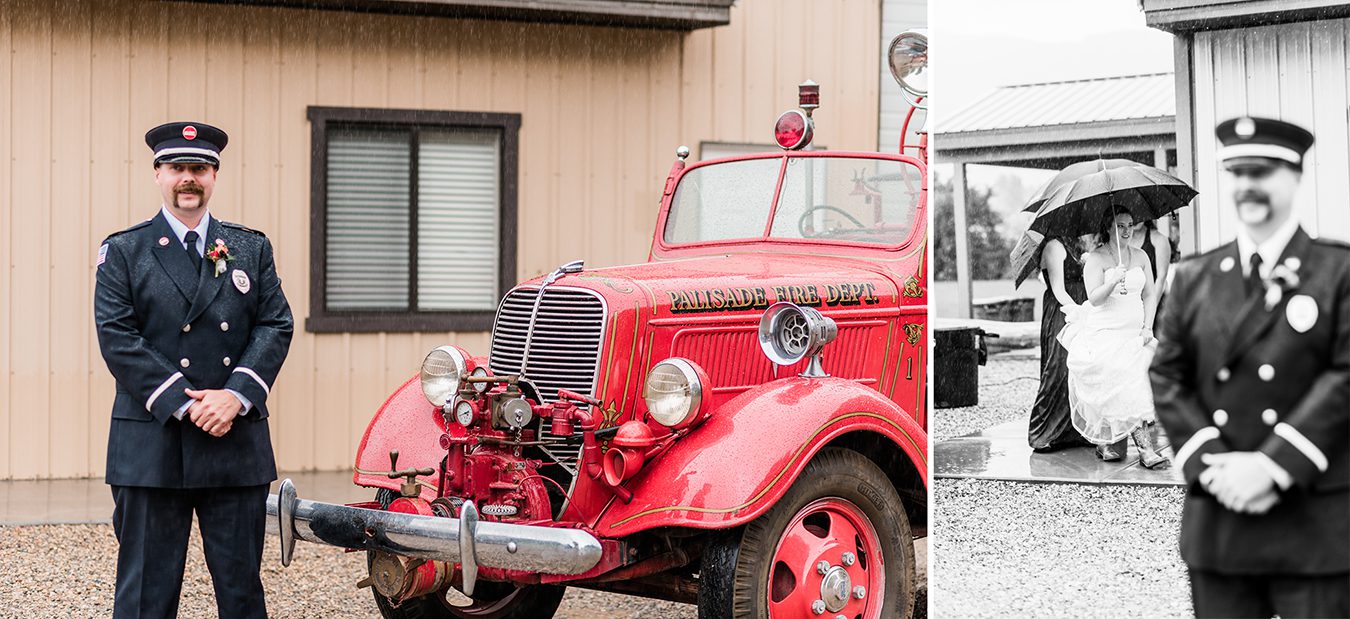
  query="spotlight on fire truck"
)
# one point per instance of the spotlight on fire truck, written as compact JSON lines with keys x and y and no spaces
{"x":794,"y":128}
{"x":789,"y":333}
{"x":441,"y":372}
{"x":674,"y":393}
{"x":909,"y":62}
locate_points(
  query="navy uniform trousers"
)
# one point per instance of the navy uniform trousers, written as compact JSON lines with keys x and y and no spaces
{"x":165,"y":326}
{"x":1233,"y":373}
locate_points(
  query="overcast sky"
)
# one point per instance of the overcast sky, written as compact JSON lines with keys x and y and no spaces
{"x":982,"y":44}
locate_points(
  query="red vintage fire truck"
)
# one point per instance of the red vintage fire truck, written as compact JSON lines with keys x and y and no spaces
{"x":739,"y":422}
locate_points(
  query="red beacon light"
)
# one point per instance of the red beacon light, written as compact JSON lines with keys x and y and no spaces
{"x":794,"y":128}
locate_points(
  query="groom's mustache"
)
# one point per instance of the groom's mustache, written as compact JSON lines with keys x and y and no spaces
{"x":1252,"y":196}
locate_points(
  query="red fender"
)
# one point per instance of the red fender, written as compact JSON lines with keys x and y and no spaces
{"x":737,"y":464}
{"x":410,"y":424}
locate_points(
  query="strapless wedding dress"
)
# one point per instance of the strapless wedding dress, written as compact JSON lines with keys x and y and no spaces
{"x":1108,"y":359}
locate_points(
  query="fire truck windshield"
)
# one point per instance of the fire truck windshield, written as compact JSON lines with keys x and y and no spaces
{"x":853,"y":199}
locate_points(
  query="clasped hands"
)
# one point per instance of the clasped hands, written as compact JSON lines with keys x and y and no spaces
{"x":1240,"y":481}
{"x":213,"y":410}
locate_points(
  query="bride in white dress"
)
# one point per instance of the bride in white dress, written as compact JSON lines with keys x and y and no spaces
{"x":1110,"y":344}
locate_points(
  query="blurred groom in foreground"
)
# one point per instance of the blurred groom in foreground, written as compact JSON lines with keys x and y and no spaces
{"x":1252,"y":380}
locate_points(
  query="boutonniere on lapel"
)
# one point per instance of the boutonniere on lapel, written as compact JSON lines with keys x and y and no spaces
{"x":219,"y":254}
{"x":1283,"y":278}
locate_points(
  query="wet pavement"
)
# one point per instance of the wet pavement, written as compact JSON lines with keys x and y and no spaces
{"x":1002,"y":453}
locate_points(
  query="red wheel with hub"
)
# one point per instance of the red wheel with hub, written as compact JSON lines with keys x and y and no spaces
{"x":838,"y":544}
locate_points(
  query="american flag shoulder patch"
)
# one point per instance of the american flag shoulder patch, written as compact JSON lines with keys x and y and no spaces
{"x":102,"y":254}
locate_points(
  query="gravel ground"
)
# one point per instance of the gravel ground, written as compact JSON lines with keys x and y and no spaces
{"x":1002,"y":549}
{"x":68,"y":571}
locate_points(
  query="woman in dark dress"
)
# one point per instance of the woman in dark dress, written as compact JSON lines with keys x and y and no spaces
{"x":1158,"y":247}
{"x":1062,"y":270}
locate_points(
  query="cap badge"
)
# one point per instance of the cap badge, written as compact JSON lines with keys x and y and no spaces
{"x":1301,"y":312}
{"x":163,"y":240}
{"x":189,"y":132}
{"x":1245,"y":128}
{"x":240,"y":279}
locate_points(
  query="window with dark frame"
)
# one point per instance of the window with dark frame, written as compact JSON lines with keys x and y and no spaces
{"x":413,"y":219}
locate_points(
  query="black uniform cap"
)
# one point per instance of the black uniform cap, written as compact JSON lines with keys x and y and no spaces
{"x":1260,"y":141}
{"x":186,"y":142}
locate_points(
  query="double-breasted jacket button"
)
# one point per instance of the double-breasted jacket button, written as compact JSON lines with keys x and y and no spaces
{"x":184,"y":362}
{"x":1266,"y":372}
{"x":187,"y":328}
{"x":224,"y":326}
{"x":227,"y":360}
{"x":1221,"y":418}
{"x":1224,"y":374}
{"x":1270,"y":417}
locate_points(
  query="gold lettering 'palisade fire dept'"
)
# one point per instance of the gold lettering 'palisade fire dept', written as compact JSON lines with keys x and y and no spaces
{"x":758,"y":298}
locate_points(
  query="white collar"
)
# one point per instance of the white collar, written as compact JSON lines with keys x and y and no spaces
{"x":1270,"y":250}
{"x":180,"y":229}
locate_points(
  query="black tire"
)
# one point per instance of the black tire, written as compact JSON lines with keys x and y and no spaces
{"x":735,"y":571}
{"x":528,"y":602}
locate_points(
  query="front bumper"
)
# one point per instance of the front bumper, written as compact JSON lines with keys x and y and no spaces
{"x":464,"y":540}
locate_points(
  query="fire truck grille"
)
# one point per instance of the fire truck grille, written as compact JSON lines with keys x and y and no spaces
{"x":564,"y":350}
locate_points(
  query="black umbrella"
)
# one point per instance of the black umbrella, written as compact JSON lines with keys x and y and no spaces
{"x":1073,"y":173}
{"x":1079,"y":206}
{"x":1026,"y":256}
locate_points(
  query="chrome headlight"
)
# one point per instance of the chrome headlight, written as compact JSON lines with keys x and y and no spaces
{"x":441,"y":372}
{"x":908,"y":58}
{"x":674,"y":392}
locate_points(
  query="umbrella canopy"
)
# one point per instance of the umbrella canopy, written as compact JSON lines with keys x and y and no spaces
{"x":1070,"y":174}
{"x":1026,"y":256}
{"x":1079,"y":206}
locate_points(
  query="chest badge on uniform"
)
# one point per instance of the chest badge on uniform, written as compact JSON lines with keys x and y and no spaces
{"x":240,"y":279}
{"x":1301,"y":312}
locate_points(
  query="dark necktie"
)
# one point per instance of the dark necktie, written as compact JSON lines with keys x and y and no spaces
{"x":1254,"y":283}
{"x":191,"y":240}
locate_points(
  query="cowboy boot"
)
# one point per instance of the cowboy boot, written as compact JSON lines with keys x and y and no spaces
{"x":1113,"y":452}
{"x":1148,"y":455}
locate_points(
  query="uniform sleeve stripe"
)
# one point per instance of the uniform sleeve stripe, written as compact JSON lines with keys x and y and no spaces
{"x":162,"y":387}
{"x":1201,"y":436}
{"x":1301,"y":443}
{"x":255,"y":376}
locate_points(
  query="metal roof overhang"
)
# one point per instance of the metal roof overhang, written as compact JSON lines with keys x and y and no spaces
{"x":1054,"y":146}
{"x":1179,"y":16}
{"x":664,"y":14}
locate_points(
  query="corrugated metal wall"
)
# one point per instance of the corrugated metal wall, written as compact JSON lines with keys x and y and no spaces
{"x":897,"y":16}
{"x":1296,"y":72}
{"x":602,"y":112}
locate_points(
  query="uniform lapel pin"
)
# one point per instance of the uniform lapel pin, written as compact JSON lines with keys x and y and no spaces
{"x":163,"y":240}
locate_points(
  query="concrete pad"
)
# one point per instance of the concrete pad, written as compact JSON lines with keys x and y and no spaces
{"x":1002,"y":453}
{"x":89,"y":501}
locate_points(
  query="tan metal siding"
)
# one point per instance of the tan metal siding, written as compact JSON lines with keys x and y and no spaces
{"x":1296,"y":72}
{"x":602,"y":112}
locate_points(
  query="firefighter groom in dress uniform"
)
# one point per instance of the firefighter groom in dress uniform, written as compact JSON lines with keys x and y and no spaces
{"x":1252,"y":382}
{"x":194,"y":327}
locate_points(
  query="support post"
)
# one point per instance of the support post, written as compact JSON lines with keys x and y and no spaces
{"x":964,"y":286}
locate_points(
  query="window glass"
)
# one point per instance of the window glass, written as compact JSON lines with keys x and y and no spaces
{"x":723,"y":201}
{"x":368,"y":213}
